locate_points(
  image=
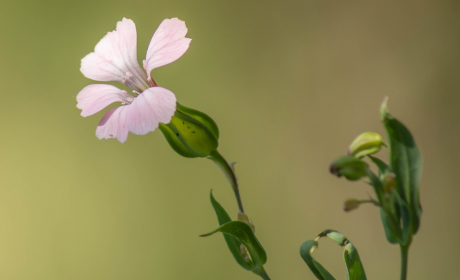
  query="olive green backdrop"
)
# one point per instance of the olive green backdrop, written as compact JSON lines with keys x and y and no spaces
{"x":290,"y":84}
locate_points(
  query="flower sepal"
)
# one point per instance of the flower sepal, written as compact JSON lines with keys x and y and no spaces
{"x":191,"y":133}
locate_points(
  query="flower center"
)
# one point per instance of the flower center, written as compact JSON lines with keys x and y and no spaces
{"x":135,"y":81}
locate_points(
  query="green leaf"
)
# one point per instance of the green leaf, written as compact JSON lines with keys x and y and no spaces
{"x":245,"y":235}
{"x":390,"y":219}
{"x":382,"y":166}
{"x":355,"y":270}
{"x":406,"y":163}
{"x":232,"y":242}
{"x":305,"y":252}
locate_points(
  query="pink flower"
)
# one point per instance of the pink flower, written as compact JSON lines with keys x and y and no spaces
{"x":115,"y":59}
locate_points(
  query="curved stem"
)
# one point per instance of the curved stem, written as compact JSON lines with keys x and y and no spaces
{"x":404,"y":261}
{"x":230,"y":174}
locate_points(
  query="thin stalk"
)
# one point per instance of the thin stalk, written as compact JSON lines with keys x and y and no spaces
{"x":229,"y":173}
{"x":404,"y":261}
{"x":264,"y":275}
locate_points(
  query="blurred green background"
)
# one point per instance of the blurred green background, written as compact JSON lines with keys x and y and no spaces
{"x":290,"y":84}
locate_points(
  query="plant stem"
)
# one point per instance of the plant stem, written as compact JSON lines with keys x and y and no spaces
{"x":264,"y":275}
{"x":230,"y":174}
{"x":404,"y":260}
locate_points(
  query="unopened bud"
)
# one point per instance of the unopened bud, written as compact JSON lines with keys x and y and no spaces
{"x":365,"y":144}
{"x":389,"y":182}
{"x":351,"y":204}
{"x":245,"y":219}
{"x":191,"y":133}
{"x":350,"y":167}
{"x":244,"y":253}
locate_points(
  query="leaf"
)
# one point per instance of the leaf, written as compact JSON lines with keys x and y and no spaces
{"x":406,"y":163}
{"x":382,"y":166}
{"x":245,"y":235}
{"x":305,"y":252}
{"x":355,"y":270}
{"x":232,"y":242}
{"x":390,"y":219}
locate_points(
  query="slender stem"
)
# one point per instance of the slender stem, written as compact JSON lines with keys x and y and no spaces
{"x":229,"y":173}
{"x":264,"y":275}
{"x":404,"y":260}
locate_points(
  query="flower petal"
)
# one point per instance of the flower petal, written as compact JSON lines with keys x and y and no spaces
{"x":115,"y":57}
{"x":113,"y":125}
{"x":167,"y":45}
{"x":155,"y":105}
{"x":94,"y":98}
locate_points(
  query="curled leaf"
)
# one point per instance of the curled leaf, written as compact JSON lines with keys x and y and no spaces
{"x":355,"y":270}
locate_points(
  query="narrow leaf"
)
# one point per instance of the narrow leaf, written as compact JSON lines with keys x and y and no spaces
{"x":245,"y":235}
{"x":406,"y":163}
{"x":382,"y":166}
{"x":305,"y":252}
{"x":232,"y":242}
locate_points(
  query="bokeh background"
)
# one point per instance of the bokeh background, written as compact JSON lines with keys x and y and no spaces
{"x":290,"y":84}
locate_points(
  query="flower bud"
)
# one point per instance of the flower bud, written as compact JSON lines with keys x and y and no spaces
{"x":245,"y":219}
{"x":351,"y":204}
{"x":350,"y":167}
{"x":389,"y":182}
{"x":191,"y":133}
{"x":365,"y":144}
{"x":244,"y":253}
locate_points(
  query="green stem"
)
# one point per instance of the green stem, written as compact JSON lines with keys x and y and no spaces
{"x":404,"y":261}
{"x":264,"y":275}
{"x":230,"y":174}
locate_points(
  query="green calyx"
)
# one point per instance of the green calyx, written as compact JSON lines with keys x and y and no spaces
{"x":191,"y":133}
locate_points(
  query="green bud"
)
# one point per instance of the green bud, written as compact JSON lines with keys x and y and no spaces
{"x":350,"y":167}
{"x":365,"y":144}
{"x":244,"y":253}
{"x":191,"y":133}
{"x":389,"y":182}
{"x":242,"y":217}
{"x":351,"y":204}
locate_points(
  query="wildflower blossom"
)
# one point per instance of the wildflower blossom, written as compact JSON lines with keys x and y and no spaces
{"x":115,"y":59}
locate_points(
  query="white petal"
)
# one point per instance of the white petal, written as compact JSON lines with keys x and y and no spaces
{"x":115,"y":58}
{"x":167,"y":45}
{"x":155,"y":105}
{"x":113,"y":125}
{"x":94,"y":98}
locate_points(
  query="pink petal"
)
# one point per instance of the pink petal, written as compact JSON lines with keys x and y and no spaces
{"x":167,"y":45}
{"x":94,"y":98}
{"x":113,"y":125}
{"x":115,"y":57}
{"x":155,"y":105}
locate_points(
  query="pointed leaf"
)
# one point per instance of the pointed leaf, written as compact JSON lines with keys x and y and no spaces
{"x":406,"y":163}
{"x":245,"y":235}
{"x":232,"y":242}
